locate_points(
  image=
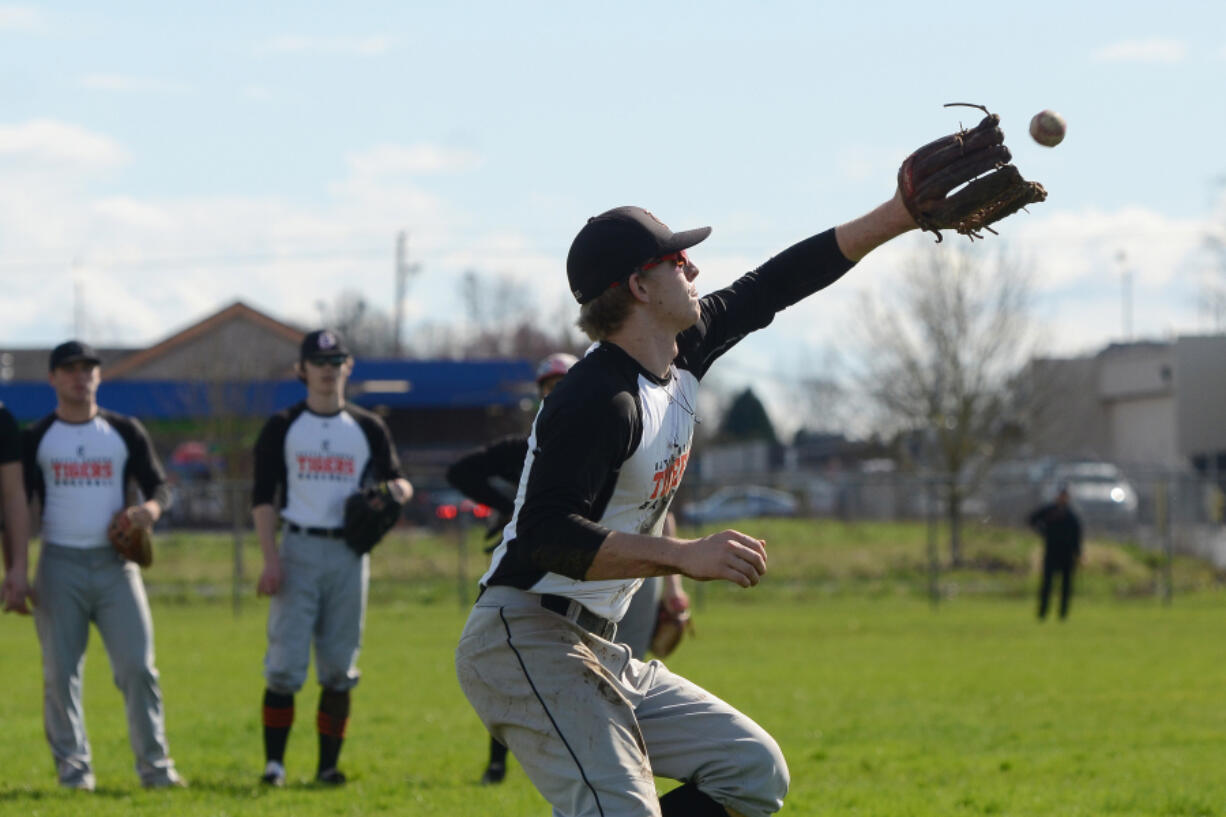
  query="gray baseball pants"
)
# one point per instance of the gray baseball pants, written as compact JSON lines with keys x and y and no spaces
{"x":592,"y":725}
{"x":322,"y":600}
{"x":74,"y":587}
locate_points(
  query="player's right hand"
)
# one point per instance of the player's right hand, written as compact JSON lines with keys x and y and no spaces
{"x":16,"y":592}
{"x":729,"y":555}
{"x":270,"y":577}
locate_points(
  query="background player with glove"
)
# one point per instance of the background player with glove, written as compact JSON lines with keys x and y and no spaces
{"x":310,"y":460}
{"x":78,"y":463}
{"x":490,"y":476}
{"x":591,"y":725}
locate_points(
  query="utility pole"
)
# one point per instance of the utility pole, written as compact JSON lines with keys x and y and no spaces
{"x":1126,"y":294}
{"x":403,"y":270}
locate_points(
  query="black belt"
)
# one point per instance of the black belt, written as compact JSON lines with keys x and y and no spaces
{"x":330,"y":533}
{"x":576,"y":612}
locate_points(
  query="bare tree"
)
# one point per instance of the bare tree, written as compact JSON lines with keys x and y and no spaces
{"x":369,"y":332}
{"x":941,"y":356}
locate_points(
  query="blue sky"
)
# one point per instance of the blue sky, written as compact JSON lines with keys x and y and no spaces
{"x":170,"y":160}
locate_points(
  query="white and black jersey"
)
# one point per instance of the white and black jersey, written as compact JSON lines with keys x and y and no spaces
{"x":315,"y":461}
{"x":80,"y":473}
{"x":611,"y":442}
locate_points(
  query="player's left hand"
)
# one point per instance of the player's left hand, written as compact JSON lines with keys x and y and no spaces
{"x":17,"y":593}
{"x":141,"y":516}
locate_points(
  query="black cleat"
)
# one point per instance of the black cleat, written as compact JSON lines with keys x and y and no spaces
{"x":494,"y":774}
{"x":331,"y":777}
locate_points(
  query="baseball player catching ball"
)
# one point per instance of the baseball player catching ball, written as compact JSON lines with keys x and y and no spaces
{"x":78,"y":463}
{"x":481,"y":476}
{"x":16,"y":535}
{"x":309,"y":459}
{"x":538,"y":660}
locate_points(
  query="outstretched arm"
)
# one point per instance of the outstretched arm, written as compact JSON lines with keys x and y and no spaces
{"x":859,"y":237}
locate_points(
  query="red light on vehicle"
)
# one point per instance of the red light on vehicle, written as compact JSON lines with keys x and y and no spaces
{"x":446,"y":512}
{"x":481,"y":511}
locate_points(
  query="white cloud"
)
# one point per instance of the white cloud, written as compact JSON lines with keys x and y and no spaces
{"x":20,"y":18}
{"x":122,"y":83}
{"x":371,"y":46}
{"x":47,"y":141}
{"x":411,"y":159}
{"x":1153,"y":50}
{"x":257,"y":93}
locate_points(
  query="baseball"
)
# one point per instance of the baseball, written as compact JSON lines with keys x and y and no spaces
{"x":1047,"y":128}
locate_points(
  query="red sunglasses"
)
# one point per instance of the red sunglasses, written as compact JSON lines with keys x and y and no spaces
{"x":677,"y":259}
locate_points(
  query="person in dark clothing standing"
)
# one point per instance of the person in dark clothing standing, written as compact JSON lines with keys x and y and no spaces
{"x":1061,"y":531}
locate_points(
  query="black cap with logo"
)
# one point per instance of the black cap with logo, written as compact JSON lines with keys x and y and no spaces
{"x":72,"y":351}
{"x":323,"y":343}
{"x":617,"y":243}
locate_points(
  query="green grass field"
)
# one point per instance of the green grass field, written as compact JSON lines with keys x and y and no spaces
{"x":883,"y":704}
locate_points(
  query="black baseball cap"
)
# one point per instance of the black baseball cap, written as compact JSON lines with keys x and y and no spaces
{"x":72,"y":351}
{"x":323,"y":343}
{"x":617,"y":243}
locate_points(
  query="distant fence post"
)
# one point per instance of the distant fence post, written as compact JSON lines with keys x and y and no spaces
{"x":236,"y":520}
{"x":1162,"y":525}
{"x":462,"y":560}
{"x":934,"y":563}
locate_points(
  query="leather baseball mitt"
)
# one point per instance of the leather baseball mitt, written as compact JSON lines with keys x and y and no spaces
{"x":369,"y":515}
{"x":976,"y":158}
{"x":671,"y":627}
{"x":133,"y":542}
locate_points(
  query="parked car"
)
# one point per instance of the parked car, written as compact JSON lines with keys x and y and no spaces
{"x":440,"y":506}
{"x":1099,"y":492}
{"x":740,"y":502}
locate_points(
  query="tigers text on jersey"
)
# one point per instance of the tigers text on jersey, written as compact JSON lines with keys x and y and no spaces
{"x":611,"y":442}
{"x":80,"y":472}
{"x":319,"y":460}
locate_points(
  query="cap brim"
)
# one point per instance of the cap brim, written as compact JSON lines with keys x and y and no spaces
{"x":75,"y":358}
{"x":688,"y":238}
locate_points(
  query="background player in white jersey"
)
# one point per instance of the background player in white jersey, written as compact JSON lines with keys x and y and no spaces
{"x":308,"y":460}
{"x":590,"y":724}
{"x":13,"y":510}
{"x":483,"y":476}
{"x":79,"y":462}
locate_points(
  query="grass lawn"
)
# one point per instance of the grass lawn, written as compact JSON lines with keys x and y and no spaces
{"x":883,"y":704}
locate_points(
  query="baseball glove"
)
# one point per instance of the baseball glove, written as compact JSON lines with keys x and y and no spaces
{"x":976,"y":158}
{"x":369,"y":514}
{"x":671,"y":627}
{"x":133,"y":542}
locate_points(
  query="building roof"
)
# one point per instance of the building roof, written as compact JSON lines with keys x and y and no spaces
{"x":235,"y":311}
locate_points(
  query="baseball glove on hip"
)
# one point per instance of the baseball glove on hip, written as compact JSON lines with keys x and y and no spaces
{"x":671,"y":627}
{"x":369,"y":515}
{"x":132,"y":541}
{"x":976,"y":158}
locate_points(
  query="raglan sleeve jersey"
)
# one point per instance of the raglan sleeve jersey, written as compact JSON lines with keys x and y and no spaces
{"x":610,"y":444}
{"x":308,"y":464}
{"x":80,"y":473}
{"x":10,"y":437}
{"x":476,"y":474}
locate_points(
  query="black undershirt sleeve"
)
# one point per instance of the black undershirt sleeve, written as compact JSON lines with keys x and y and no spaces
{"x":143,"y":464}
{"x":581,"y":445}
{"x":473,"y":474}
{"x":384,"y":461}
{"x":31,"y":438}
{"x":270,"y":473}
{"x":751,"y":302}
{"x":10,"y":438}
